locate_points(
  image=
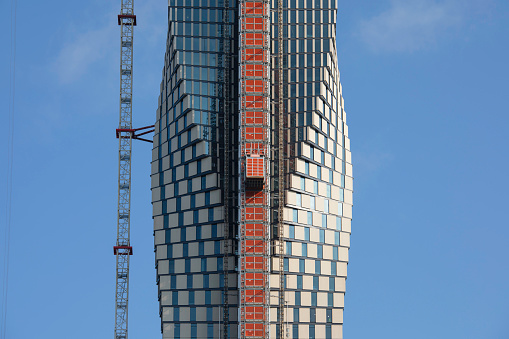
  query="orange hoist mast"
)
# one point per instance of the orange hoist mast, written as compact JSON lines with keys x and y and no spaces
{"x":254,"y":221}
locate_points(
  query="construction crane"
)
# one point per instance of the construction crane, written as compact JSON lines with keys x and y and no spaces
{"x":125,"y":134}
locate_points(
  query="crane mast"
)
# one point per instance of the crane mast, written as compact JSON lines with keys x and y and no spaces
{"x":123,"y":249}
{"x":125,"y":134}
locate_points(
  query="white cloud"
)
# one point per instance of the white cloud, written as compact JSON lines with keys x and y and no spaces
{"x":82,"y":51}
{"x":410,"y":25}
{"x":368,"y":163}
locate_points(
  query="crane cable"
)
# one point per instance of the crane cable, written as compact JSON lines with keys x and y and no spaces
{"x":10,"y":158}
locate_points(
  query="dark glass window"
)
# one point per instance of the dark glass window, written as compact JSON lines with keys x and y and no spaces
{"x":315,"y":283}
{"x":312,"y":315}
{"x":312,"y":332}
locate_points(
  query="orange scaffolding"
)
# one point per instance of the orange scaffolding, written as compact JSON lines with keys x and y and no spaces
{"x":254,"y":223}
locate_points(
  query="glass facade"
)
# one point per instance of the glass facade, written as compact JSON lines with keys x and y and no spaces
{"x":188,"y":171}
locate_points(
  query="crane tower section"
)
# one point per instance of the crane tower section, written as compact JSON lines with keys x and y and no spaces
{"x":254,"y":210}
{"x":123,"y":249}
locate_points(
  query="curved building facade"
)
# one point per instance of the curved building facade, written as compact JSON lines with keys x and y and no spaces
{"x":223,"y":243}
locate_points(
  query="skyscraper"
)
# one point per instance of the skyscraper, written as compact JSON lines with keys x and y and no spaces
{"x":251,"y":181}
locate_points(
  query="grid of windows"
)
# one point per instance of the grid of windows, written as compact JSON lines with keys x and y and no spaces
{"x":186,"y":170}
{"x":187,"y":193}
{"x":320,"y":188}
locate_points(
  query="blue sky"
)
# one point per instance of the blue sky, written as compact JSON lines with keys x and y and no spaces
{"x":425,"y":85}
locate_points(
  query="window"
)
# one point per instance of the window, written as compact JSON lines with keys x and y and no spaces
{"x":183,"y":233}
{"x":326,"y":207}
{"x":286,"y":264}
{"x":330,"y":299}
{"x":297,"y":298}
{"x":206,"y":283}
{"x":188,"y":265}
{"x":207,"y":297}
{"x":318,"y":267}
{"x":322,"y":236}
{"x":315,"y":187}
{"x":292,"y":232}
{"x":304,"y":249}
{"x":288,"y":248}
{"x":324,"y":220}
{"x":203,"y":263}
{"x":332,"y":284}
{"x":191,"y":298}
{"x":295,"y":215}
{"x":302,"y":266}
{"x":338,"y":223}
{"x":306,"y":167}
{"x":334,"y":253}
{"x":193,"y":315}
{"x":313,"y":203}
{"x":219,"y":264}
{"x":299,"y":282}
{"x":176,"y":313}
{"x":315,"y":283}
{"x":302,"y":184}
{"x":217,"y":247}
{"x":198,"y":232}
{"x":209,"y":314}
{"x":306,"y":233}
{"x":313,"y":298}
{"x":176,"y":331}
{"x":185,"y":250}
{"x":210,"y":330}
{"x":175,"y":298}
{"x":328,"y":191}
{"x":336,"y":238}
{"x":333,"y":268}
{"x":312,"y":328}
{"x":310,"y":218}
{"x":295,"y":328}
{"x":319,"y":251}
{"x":211,"y":214}
{"x":312,"y":315}
{"x":171,"y":266}
{"x":341,"y":194}
{"x":328,"y":317}
{"x":181,"y":220}
{"x":298,"y":199}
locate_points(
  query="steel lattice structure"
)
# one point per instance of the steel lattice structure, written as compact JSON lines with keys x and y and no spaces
{"x":281,"y":167}
{"x":254,"y":223}
{"x":227,"y":163}
{"x":123,"y":249}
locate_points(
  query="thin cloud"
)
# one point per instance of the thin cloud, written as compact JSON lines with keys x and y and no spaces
{"x":78,"y":54}
{"x":83,"y":51}
{"x":369,"y":163}
{"x":410,"y":25}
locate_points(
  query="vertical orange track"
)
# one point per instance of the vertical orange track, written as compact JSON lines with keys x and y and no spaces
{"x":255,"y":170}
